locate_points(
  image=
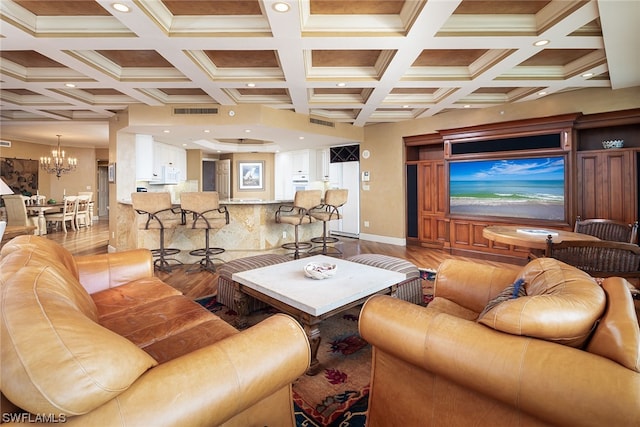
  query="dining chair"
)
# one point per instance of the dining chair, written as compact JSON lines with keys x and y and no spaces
{"x":603,"y":258}
{"x":68,"y":213}
{"x":38,"y":199}
{"x":608,"y":229}
{"x":82,"y":217}
{"x":17,"y":212}
{"x":90,"y":211}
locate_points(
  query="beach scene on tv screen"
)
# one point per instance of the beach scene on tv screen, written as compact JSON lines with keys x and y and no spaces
{"x":520,"y":188}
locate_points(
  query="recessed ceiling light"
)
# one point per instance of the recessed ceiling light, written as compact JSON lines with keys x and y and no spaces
{"x":541,"y":43}
{"x":542,"y":93}
{"x":251,"y":85}
{"x":301,"y":137}
{"x":585,"y":75}
{"x":405,"y":106}
{"x":69,"y":85}
{"x":121,"y":7}
{"x":166,"y":131}
{"x":341,"y":84}
{"x":467,"y":106}
{"x":247,"y":130}
{"x":184,"y":145}
{"x":281,"y":6}
{"x":207,"y":131}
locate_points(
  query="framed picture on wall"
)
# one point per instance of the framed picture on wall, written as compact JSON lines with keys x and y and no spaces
{"x":112,"y":172}
{"x":251,"y":175}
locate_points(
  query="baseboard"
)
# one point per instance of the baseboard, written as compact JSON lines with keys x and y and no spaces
{"x":344,"y":234}
{"x":384,"y":239}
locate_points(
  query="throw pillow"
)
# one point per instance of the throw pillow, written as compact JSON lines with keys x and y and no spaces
{"x":512,"y":291}
{"x":562,"y":304}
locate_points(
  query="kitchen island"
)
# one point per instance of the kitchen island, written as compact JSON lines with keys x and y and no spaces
{"x":251,"y":230}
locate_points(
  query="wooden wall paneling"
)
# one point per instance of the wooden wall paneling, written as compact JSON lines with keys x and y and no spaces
{"x":606,"y":186}
{"x":588,"y":185}
{"x":440,"y":197}
{"x":601,"y":183}
{"x":461,"y":234}
{"x":431,"y":199}
{"x":477,"y":240}
{"x":427,"y":187}
{"x":441,"y":228}
{"x":617,"y":188}
{"x":426,"y":229}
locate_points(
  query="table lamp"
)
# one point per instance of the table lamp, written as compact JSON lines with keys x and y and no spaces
{"x":4,"y":188}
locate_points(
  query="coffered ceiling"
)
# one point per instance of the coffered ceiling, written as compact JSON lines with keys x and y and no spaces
{"x":67,"y":66}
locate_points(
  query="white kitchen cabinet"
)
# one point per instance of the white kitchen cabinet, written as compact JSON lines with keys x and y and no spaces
{"x":300,"y":162}
{"x":154,"y":160}
{"x":144,"y":157}
{"x":283,"y":176}
{"x":323,"y":158}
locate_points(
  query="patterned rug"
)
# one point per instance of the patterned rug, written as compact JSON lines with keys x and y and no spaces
{"x":338,"y":395}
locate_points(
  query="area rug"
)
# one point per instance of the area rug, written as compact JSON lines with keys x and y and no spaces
{"x":338,"y":395}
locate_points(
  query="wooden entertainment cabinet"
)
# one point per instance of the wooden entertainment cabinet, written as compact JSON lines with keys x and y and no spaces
{"x":600,"y":183}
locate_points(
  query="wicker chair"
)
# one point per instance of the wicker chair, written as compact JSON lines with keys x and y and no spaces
{"x":608,"y":229}
{"x":600,"y":258}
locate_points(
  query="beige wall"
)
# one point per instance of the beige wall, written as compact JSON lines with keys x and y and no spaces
{"x":384,"y":204}
{"x":268,"y":192}
{"x":194,"y":167}
{"x":84,"y":178}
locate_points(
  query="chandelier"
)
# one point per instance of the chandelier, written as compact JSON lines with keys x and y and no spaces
{"x":55,"y":163}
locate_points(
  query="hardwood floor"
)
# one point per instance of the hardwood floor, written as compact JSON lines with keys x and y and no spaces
{"x":94,"y":240}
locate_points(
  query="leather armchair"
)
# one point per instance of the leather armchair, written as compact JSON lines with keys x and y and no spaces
{"x":441,"y":366}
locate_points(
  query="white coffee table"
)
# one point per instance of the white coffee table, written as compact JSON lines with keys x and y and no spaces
{"x":285,"y":287}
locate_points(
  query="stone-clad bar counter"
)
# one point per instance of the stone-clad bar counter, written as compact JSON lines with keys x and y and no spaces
{"x":251,"y":230}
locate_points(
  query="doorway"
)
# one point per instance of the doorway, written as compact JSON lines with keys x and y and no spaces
{"x":103,"y":191}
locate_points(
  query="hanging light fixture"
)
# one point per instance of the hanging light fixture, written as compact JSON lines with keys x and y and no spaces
{"x":55,"y":163}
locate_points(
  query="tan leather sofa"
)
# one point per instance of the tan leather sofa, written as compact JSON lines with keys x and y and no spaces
{"x":98,"y":340}
{"x":567,"y":353}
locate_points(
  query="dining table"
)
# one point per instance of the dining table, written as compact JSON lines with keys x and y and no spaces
{"x":532,"y":237}
{"x":40,"y":210}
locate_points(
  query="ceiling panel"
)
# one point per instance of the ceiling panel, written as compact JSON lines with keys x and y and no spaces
{"x":355,"y":62}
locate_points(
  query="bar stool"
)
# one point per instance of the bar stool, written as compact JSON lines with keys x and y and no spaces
{"x":328,"y":211}
{"x":160,"y":216}
{"x":298,"y":214}
{"x":206,"y":214}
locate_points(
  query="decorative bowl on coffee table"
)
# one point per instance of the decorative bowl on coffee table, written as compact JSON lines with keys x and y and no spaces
{"x":320,"y":271}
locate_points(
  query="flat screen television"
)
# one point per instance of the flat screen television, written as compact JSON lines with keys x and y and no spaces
{"x":527,"y":187}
